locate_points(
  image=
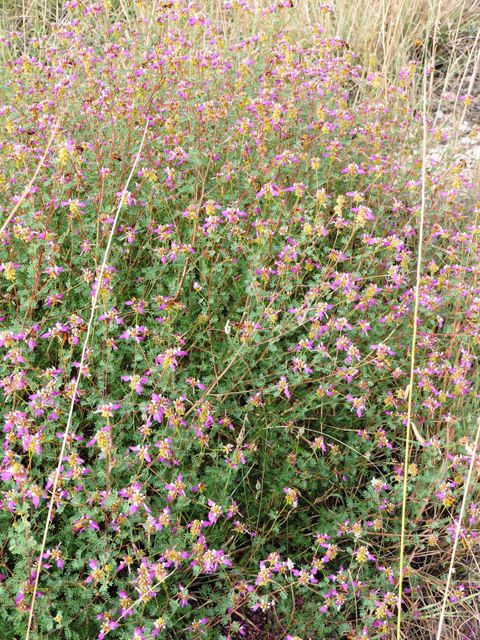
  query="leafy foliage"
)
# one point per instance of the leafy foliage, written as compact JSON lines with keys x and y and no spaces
{"x":234,"y":459}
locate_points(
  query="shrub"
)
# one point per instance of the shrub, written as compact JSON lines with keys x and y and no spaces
{"x":208,"y":301}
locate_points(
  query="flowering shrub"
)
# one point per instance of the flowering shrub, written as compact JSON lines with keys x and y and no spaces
{"x":233,"y":462}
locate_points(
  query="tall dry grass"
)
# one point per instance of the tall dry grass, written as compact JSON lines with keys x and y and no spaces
{"x":391,"y":30}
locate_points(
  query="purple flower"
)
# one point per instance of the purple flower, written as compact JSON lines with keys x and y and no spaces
{"x":175,"y":559}
{"x":194,"y":626}
{"x":85,"y":247}
{"x":51,"y":478}
{"x":86,"y":520}
{"x":358,"y":404}
{"x":142,"y":452}
{"x":106,"y":410}
{"x":108,"y":624}
{"x":14,"y":355}
{"x":35,"y":492}
{"x":58,"y":330}
{"x":183,"y":596}
{"x":93,"y":564}
{"x":126,"y":608}
{"x":268,"y":189}
{"x":137,"y":333}
{"x":458,"y":593}
{"x":282,"y":385}
{"x":175,"y":489}
{"x":103,"y":438}
{"x":125,"y":198}
{"x":211,"y":224}
{"x":56,"y":555}
{"x":130,"y":235}
{"x":53,"y":299}
{"x":382,"y":350}
{"x":70,"y":437}
{"x":84,"y":368}
{"x":192,"y":382}
{"x":73,"y":204}
{"x":137,"y":381}
{"x":388,"y":573}
{"x":215,"y":512}
{"x":53,"y":271}
{"x":112,"y":315}
{"x":233,"y":214}
{"x":168,"y":360}
{"x":300,"y":364}
{"x":8,"y":267}
{"x":137,"y":305}
{"x":135,"y":498}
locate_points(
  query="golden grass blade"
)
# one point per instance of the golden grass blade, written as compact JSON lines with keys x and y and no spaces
{"x":77,"y":380}
{"x":31,"y":182}
{"x":457,"y":532}
{"x":412,"y":362}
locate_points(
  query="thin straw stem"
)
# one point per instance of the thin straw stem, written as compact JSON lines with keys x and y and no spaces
{"x":457,"y":532}
{"x":77,"y":380}
{"x":412,"y":363}
{"x":30,"y":183}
